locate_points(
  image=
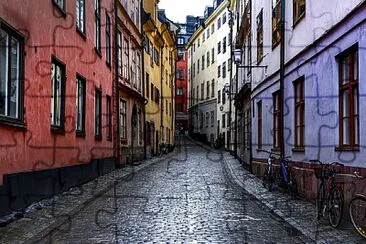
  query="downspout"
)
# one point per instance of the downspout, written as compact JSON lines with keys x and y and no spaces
{"x":161,"y":84}
{"x":143,"y":77}
{"x":282,"y":77}
{"x":118,"y":139}
{"x":250,"y":93}
{"x":231,"y":75}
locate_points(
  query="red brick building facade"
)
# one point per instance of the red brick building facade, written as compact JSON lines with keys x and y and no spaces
{"x":181,"y":93}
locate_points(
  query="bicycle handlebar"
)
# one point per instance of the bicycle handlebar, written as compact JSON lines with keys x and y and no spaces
{"x":358,"y":176}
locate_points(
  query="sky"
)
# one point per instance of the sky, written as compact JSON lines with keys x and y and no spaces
{"x":177,"y":10}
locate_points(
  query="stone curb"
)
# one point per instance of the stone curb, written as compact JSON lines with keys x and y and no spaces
{"x":69,"y":204}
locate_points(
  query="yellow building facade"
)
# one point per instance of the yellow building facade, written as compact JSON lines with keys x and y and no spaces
{"x":160,"y":56}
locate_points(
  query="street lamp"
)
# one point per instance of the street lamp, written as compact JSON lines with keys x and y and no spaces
{"x":238,"y":55}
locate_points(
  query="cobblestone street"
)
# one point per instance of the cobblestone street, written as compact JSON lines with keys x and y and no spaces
{"x":189,"y":197}
{"x":193,"y":195}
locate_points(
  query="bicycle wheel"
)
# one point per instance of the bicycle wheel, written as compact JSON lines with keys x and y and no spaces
{"x":335,"y":206}
{"x":357,"y":214}
{"x":267,"y":178}
{"x":320,"y":201}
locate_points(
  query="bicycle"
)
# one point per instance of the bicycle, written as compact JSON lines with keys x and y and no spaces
{"x":330,"y":194}
{"x":357,"y":211}
{"x":286,"y":180}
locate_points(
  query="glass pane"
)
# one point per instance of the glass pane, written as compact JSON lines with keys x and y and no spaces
{"x":355,"y":100}
{"x":298,"y":116}
{"x":53,"y":68}
{"x":58,"y":95}
{"x":3,"y":71}
{"x":355,"y":66}
{"x":14,"y":82}
{"x":356,"y":130}
{"x":345,"y":103}
{"x":346,"y":131}
{"x":345,"y":70}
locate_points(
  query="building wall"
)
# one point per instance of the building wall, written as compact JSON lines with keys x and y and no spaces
{"x":131,"y":86}
{"x":181,"y":100}
{"x":30,"y":148}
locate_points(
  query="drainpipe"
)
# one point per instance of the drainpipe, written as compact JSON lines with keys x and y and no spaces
{"x":143,"y":78}
{"x":282,"y":77}
{"x":251,"y":81}
{"x":161,"y":84}
{"x":118,"y":139}
{"x":231,"y":74}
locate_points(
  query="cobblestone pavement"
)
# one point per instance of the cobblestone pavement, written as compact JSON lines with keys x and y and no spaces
{"x":195,"y":195}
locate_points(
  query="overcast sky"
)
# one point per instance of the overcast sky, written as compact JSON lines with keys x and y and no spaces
{"x":177,"y":10}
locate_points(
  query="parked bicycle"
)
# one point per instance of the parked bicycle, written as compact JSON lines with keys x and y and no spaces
{"x":163,"y":149}
{"x":330,"y":193}
{"x":357,"y":211}
{"x":270,"y":176}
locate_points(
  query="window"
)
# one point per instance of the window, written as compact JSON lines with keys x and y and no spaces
{"x":348,"y":99}
{"x":80,"y":105}
{"x":219,"y":71}
{"x":98,"y":114}
{"x":181,"y":41}
{"x":218,"y":47}
{"x":208,"y":58}
{"x":11,"y":73}
{"x":259,"y":109}
{"x":119,"y":50}
{"x":260,"y":36}
{"x":229,"y":39}
{"x":207,"y":119}
{"x":198,"y":42}
{"x":57,"y":94}
{"x":299,"y":113}
{"x":152,"y":92}
{"x":224,"y":45}
{"x":208,"y":33}
{"x":80,"y":15}
{"x":203,"y":37}
{"x":276,"y":120}
{"x":123,"y":119}
{"x":157,"y":96}
{"x":108,"y":39}
{"x":276,"y":22}
{"x":223,"y":121}
{"x":138,"y":74}
{"x":60,"y":4}
{"x":213,"y":88}
{"x":197,"y":94}
{"x":208,"y":90}
{"x":202,"y":90}
{"x":180,"y":74}
{"x":198,"y":66}
{"x":212,"y":28}
{"x":109,"y":117}
{"x":224,"y":70}
{"x":219,"y":23}
{"x":212,"y":118}
{"x":147,"y":85}
{"x":299,"y":9}
{"x":213,"y":55}
{"x":179,"y":91}
{"x":133,"y":67}
{"x":126,"y":63}
{"x":223,"y":96}
{"x":229,"y":64}
{"x":203,"y":62}
{"x":194,"y":70}
{"x":224,"y":18}
{"x":218,"y":97}
{"x":141,"y":127}
{"x":166,"y":106}
{"x":97,"y":25}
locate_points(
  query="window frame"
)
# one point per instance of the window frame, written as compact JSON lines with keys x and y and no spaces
{"x":299,"y":105}
{"x":80,"y":131}
{"x":296,"y":10}
{"x":108,"y":51}
{"x":259,"y":124}
{"x":61,"y":127}
{"x":108,"y":117}
{"x":6,"y":119}
{"x":123,"y":120}
{"x":260,"y":36}
{"x":349,"y":87}
{"x":97,"y":27}
{"x":82,"y":31}
{"x":98,"y":116}
{"x":276,"y":110}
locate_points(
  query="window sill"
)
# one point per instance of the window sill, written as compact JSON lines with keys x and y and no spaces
{"x":298,"y":149}
{"x":58,"y":130}
{"x":276,"y":149}
{"x":347,"y":149}
{"x":12,"y":122}
{"x":81,"y":33}
{"x":98,"y":52}
{"x":80,"y":134}
{"x":108,"y":64}
{"x":274,"y":45}
{"x":298,"y":20}
{"x":98,"y":137}
{"x":62,"y":11}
